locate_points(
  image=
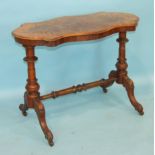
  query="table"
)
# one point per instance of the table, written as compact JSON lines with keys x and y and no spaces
{"x":71,"y":29}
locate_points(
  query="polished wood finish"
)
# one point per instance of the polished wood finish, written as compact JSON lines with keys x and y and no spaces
{"x":74,"y":28}
{"x":67,"y":29}
{"x":122,"y":77}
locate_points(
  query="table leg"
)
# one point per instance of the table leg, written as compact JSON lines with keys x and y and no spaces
{"x":40,"y":111}
{"x":122,"y":74}
{"x":32,"y":95}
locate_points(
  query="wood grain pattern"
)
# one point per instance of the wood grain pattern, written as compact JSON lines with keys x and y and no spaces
{"x":75,"y":28}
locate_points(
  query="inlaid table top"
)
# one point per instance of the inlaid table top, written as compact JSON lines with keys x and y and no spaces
{"x":75,"y":28}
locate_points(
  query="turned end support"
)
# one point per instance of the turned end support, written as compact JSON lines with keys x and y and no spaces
{"x":122,"y":74}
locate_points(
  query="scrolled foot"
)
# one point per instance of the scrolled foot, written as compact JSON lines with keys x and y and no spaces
{"x":129,"y":85}
{"x":40,"y":111}
{"x":23,"y":108}
{"x":139,"y":108}
{"x":49,"y":137}
{"x":112,"y":77}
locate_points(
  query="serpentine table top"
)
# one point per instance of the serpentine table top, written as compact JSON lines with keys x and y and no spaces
{"x":75,"y":28}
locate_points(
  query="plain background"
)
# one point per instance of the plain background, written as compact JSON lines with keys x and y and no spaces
{"x":90,"y":122}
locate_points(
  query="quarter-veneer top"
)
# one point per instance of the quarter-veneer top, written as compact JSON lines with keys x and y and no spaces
{"x":74,"y":28}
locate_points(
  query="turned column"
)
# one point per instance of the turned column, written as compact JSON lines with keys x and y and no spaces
{"x":121,"y":65}
{"x":32,"y":86}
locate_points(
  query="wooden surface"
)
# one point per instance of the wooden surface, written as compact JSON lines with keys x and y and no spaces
{"x":74,"y":28}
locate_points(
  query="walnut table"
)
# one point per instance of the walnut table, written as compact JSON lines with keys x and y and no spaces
{"x":71,"y":29}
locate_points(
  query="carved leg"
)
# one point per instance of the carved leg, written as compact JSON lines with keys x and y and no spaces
{"x":129,"y":85}
{"x":121,"y":73}
{"x":32,"y":94}
{"x":40,"y":110}
{"x":112,"y":75}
